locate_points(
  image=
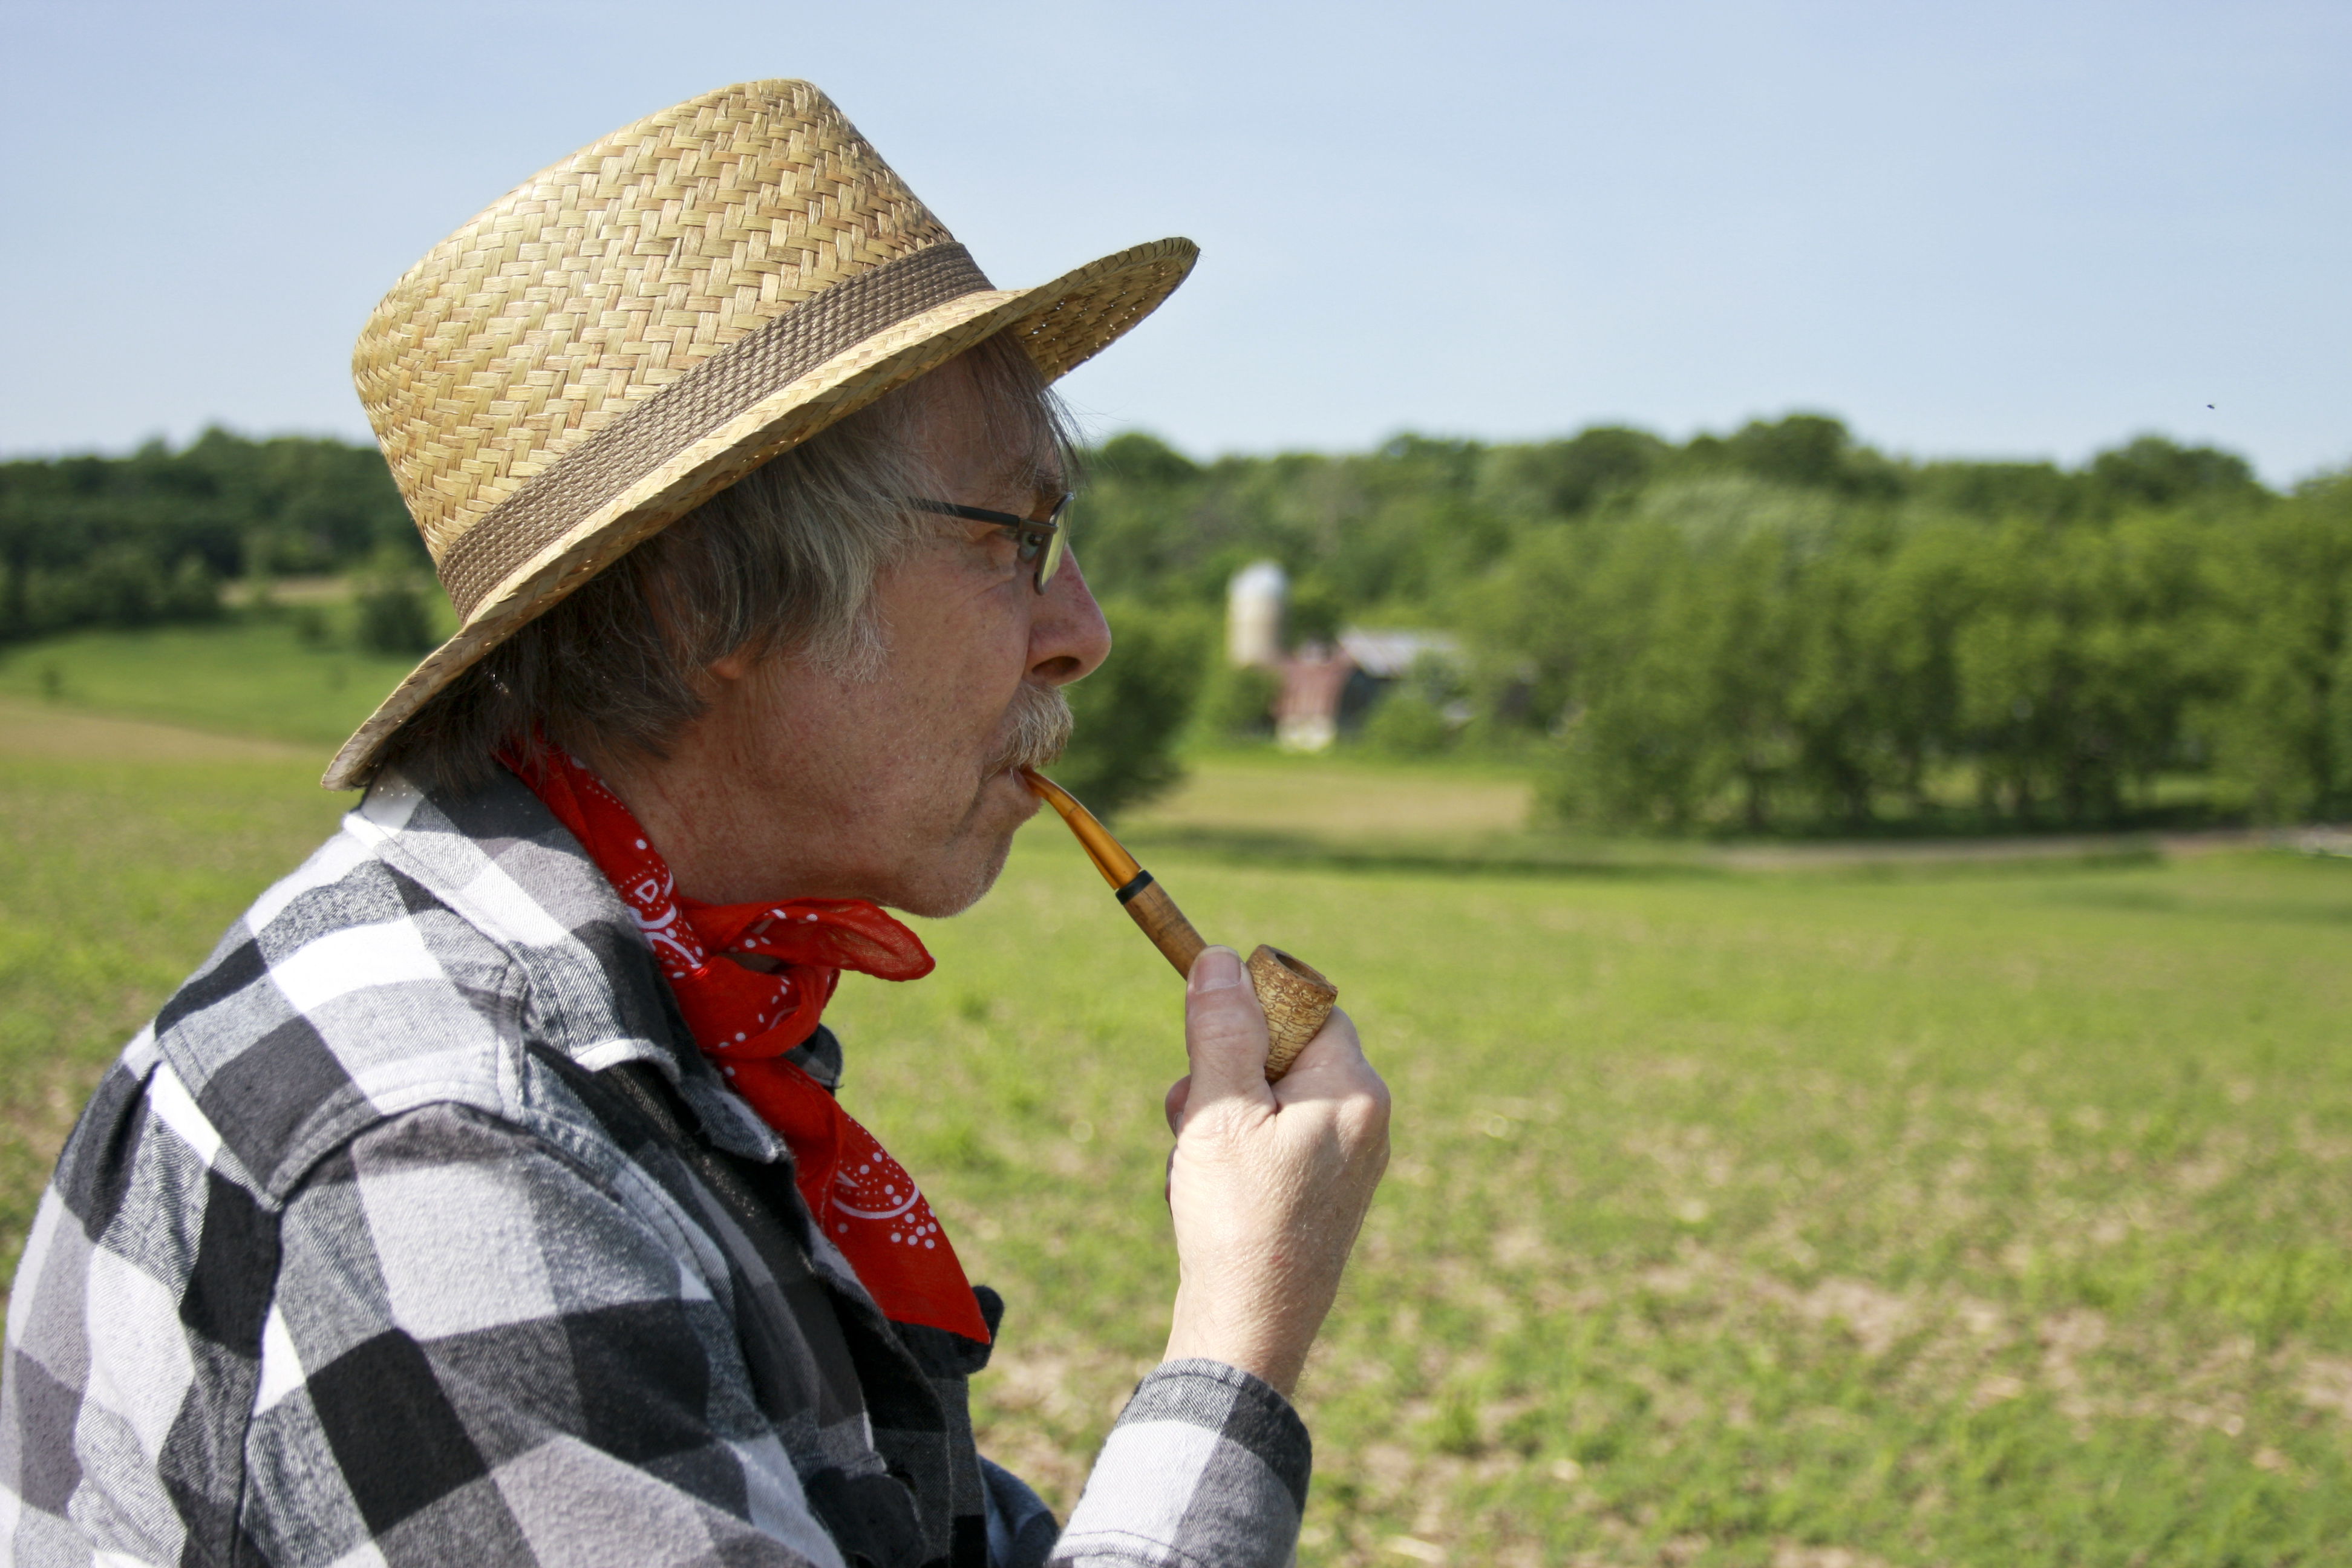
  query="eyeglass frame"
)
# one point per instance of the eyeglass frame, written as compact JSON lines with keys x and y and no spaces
{"x":1050,"y":552}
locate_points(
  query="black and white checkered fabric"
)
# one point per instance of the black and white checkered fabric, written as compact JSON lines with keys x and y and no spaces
{"x":414,"y":1231}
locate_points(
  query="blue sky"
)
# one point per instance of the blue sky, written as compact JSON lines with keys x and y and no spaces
{"x":1997,"y":229}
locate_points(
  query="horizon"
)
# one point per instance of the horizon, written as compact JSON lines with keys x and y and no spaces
{"x":1097,"y":441}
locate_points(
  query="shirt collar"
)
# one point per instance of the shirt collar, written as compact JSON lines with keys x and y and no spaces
{"x":498,"y":857}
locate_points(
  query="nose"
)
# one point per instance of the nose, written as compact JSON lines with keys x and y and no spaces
{"x":1068,"y":637}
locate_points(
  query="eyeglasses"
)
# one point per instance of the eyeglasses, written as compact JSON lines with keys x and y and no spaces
{"x":1041,"y":543}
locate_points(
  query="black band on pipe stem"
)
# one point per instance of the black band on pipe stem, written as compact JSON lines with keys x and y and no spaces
{"x":1142,"y":880}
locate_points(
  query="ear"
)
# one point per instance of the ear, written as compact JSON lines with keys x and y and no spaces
{"x":730,"y":667}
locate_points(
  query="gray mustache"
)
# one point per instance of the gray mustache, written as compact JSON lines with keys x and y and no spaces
{"x":1041,"y":725}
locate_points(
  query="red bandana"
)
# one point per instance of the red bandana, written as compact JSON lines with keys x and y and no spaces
{"x":745,"y":1019}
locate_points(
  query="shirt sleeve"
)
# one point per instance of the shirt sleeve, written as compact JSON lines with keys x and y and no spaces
{"x":1207,"y":1464}
{"x":477,"y":1352}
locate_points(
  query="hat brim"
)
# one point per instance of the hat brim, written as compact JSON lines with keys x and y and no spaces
{"x":1063,"y":323}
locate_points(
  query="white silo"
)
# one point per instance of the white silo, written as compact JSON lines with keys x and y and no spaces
{"x":1254,"y":606}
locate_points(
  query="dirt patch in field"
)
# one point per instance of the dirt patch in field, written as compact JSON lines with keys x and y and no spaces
{"x":37,"y":730}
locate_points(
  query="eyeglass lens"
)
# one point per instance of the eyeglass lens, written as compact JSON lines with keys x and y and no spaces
{"x":1051,"y":561}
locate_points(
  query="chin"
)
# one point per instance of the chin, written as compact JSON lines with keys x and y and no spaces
{"x":957,"y":885}
{"x":968,"y":864}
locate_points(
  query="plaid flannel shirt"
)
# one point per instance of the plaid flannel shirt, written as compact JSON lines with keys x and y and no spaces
{"x":415,"y":1230}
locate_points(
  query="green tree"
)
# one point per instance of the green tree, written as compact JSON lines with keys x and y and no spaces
{"x":1637,"y":740}
{"x":2082,"y":663}
{"x":1802,"y":450}
{"x":1406,"y":724}
{"x":192,"y":592}
{"x":1907,"y":620}
{"x":1416,"y":718}
{"x":1237,"y":702}
{"x":1991,"y":492}
{"x":1132,"y":712}
{"x":1315,"y":613}
{"x":392,"y":613}
{"x":88,"y":538}
{"x":1566,"y":479}
{"x":1836,"y":701}
{"x":1799,"y":452}
{"x":2151,"y":472}
{"x":2283,"y":717}
{"x":122,"y":586}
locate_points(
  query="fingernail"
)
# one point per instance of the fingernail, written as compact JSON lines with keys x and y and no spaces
{"x":1217,"y":969}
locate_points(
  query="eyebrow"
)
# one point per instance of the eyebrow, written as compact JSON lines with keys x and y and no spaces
{"x":1039,"y":479}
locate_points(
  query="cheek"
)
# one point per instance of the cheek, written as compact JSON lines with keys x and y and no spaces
{"x":968,"y":687}
{"x":958,"y":652}
{"x":934,"y":732}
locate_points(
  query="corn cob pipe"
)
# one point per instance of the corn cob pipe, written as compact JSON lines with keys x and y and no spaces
{"x":1295,"y":998}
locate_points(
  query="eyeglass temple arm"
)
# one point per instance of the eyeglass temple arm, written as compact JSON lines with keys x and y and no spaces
{"x":981,"y":514}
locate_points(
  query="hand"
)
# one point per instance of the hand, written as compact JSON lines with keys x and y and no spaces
{"x":1269,"y":1182}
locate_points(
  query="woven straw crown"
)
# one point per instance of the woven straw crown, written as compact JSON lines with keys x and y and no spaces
{"x":637,"y":327}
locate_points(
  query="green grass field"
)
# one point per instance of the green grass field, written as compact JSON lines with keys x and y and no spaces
{"x":1982,"y":1214}
{"x":252,"y":675}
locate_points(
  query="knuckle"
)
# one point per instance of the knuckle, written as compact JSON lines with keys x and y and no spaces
{"x":1364,"y":1118}
{"x":1338,"y":1036}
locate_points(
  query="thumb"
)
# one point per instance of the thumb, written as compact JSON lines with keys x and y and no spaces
{"x":1224,"y":1029}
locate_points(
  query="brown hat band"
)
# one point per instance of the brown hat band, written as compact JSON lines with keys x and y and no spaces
{"x":699,"y":402}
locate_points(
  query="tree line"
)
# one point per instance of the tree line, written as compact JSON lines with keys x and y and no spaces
{"x":1776,"y":627}
{"x":1781,"y":627}
{"x":151,"y":537}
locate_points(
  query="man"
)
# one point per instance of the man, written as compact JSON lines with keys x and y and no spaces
{"x":483,"y":1199}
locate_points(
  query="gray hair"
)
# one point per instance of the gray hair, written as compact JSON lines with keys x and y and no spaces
{"x":780,"y":565}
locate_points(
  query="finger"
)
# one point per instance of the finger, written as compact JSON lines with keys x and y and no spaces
{"x":1224,"y":1029}
{"x":1177,"y":1093}
{"x":1335,"y":1052}
{"x":1333,"y":1071}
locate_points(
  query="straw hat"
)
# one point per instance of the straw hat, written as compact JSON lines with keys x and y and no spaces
{"x":633,"y":329}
